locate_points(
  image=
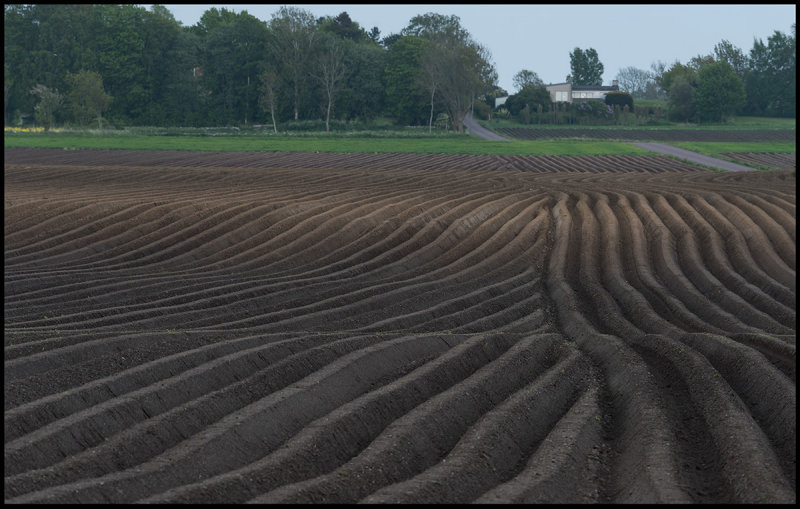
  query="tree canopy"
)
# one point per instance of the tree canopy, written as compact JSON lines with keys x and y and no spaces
{"x":586,"y":67}
{"x":234,"y":69}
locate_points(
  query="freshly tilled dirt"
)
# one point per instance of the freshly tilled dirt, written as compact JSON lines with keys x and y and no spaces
{"x":277,"y":327}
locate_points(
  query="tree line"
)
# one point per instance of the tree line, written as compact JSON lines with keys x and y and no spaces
{"x":708,"y":88}
{"x":80,"y":64}
{"x":76,"y":64}
{"x":723,"y":82}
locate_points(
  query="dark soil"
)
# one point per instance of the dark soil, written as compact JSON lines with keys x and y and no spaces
{"x":285,"y":327}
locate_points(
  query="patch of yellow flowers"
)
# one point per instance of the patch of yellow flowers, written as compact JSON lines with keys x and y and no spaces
{"x":27,"y":130}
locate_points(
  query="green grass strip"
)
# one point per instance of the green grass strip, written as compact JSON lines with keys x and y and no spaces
{"x":721,"y":147}
{"x":460,"y":145}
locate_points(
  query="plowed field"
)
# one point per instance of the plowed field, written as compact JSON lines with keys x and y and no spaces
{"x":232,"y":327}
{"x":521,"y":133}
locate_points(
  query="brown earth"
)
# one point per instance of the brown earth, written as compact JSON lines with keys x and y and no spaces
{"x":634,"y":134}
{"x":184,"y":327}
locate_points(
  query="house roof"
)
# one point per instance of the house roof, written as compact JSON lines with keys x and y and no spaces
{"x":586,"y":87}
{"x":595,"y":87}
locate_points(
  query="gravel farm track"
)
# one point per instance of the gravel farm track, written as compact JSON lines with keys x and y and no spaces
{"x":212,"y":327}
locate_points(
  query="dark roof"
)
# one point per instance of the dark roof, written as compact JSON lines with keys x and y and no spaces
{"x":587,"y":87}
{"x":595,"y":87}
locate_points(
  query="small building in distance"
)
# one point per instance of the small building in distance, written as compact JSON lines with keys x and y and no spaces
{"x":567,"y":92}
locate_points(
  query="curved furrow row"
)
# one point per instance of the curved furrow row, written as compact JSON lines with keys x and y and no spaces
{"x":781,"y":161}
{"x":360,"y":223}
{"x":78,"y":251}
{"x":621,"y":278}
{"x":243,"y":435}
{"x":781,"y":213}
{"x":457,"y":262}
{"x":776,"y":233}
{"x":764,"y":252}
{"x":155,"y":239}
{"x":723,"y":472}
{"x":52,"y":225}
{"x":643,"y":468}
{"x":495,"y":448}
{"x":85,"y":429}
{"x":101,"y":227}
{"x":747,"y":261}
{"x":713,"y":452}
{"x":671,"y":266}
{"x":696,"y":270}
{"x":26,"y":214}
{"x":341,"y":435}
{"x":425,"y":435}
{"x":27,"y":417}
{"x":227,"y":233}
{"x":87,"y":318}
{"x":767,"y":312}
{"x":301,"y":237}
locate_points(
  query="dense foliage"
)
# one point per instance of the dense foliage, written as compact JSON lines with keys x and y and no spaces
{"x":714,"y":86}
{"x":620,"y":99}
{"x":586,"y":67}
{"x":231,"y":69}
{"x":124,"y":65}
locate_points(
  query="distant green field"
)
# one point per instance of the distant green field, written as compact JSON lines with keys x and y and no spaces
{"x":449,"y":145}
{"x":745,"y":123}
{"x":717,"y":147}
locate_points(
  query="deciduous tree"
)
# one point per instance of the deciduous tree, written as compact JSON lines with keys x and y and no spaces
{"x":463,"y":66}
{"x":330,"y":72}
{"x":719,"y":91}
{"x":526,"y":78}
{"x":634,"y":81}
{"x":586,"y":67}
{"x":87,"y":97}
{"x":293,"y":43}
{"x":49,"y":101}
{"x":771,"y":81}
{"x":724,"y":51}
{"x":267,"y":100}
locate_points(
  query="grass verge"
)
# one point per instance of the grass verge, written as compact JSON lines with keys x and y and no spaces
{"x":720,"y":147}
{"x":339,"y":144}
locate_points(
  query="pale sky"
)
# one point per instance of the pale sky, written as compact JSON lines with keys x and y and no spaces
{"x":540,"y":37}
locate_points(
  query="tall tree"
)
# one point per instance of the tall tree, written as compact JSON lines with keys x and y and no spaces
{"x":120,"y":41}
{"x":677,"y":69}
{"x":586,"y":67}
{"x":438,"y":28}
{"x":771,"y":81}
{"x":330,"y":72}
{"x":363,"y":94}
{"x":719,"y":91}
{"x":88,"y":97}
{"x":724,"y":51}
{"x":49,"y":102}
{"x":526,"y":78}
{"x":344,"y":27}
{"x":405,"y":99}
{"x":294,"y":38}
{"x":429,"y":75}
{"x":464,"y":66}
{"x":657,"y":70}
{"x":699,"y":61}
{"x":268,"y":98}
{"x":634,"y":81}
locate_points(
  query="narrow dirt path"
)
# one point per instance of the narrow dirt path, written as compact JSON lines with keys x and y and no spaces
{"x":692,"y":156}
{"x":480,"y":131}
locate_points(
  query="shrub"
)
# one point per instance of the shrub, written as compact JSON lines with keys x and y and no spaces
{"x":619,"y":98}
{"x":482,"y":110}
